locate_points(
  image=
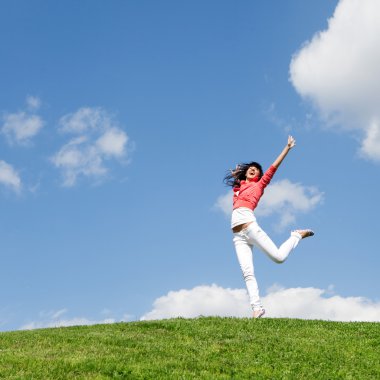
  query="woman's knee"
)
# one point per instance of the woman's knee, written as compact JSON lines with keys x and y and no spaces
{"x":277,"y":257}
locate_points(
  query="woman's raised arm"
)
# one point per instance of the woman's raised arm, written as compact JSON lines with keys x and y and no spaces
{"x":291,"y":143}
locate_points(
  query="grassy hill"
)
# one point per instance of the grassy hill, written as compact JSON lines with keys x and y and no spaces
{"x":203,"y":348}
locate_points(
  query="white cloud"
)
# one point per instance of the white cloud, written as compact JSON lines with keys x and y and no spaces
{"x":339,"y":71}
{"x":56,"y":319}
{"x":282,"y":198}
{"x":78,"y":157}
{"x":201,"y":300}
{"x":99,"y":140}
{"x":22,"y":126}
{"x":287,"y":199}
{"x":33,"y":102}
{"x":9,"y":177}
{"x":85,"y":119}
{"x":370,"y":146}
{"x":304,"y":303}
{"x":112,"y":142}
{"x":313,"y":303}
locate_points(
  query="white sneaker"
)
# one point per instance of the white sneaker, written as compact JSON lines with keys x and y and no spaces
{"x":258,"y":313}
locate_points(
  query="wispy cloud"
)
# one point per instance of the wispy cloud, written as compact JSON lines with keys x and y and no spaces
{"x":85,"y":119}
{"x":33,"y":102}
{"x":9,"y":177}
{"x":339,"y":71}
{"x":59,"y":318}
{"x":96,"y":139}
{"x":283,"y":199}
{"x":288,"y":124}
{"x":224,"y":203}
{"x":304,"y":303}
{"x":20,"y":127}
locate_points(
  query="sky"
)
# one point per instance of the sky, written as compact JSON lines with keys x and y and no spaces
{"x":118,"y":122}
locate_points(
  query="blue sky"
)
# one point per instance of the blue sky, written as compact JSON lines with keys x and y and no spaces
{"x":119,"y":120}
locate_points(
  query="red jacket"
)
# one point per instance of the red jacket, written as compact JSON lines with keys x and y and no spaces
{"x":249,"y":193}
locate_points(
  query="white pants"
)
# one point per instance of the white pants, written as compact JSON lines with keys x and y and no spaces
{"x":244,"y":242}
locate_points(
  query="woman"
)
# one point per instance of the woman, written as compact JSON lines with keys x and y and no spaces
{"x":249,"y":182}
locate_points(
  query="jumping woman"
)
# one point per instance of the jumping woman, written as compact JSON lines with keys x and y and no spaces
{"x":248,"y":183}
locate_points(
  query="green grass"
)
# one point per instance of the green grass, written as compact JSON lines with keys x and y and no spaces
{"x":203,"y":348}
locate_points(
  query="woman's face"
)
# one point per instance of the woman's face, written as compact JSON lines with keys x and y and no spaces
{"x":251,"y":173}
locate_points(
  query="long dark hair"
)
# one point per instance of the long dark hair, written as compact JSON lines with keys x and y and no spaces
{"x":233,"y":177}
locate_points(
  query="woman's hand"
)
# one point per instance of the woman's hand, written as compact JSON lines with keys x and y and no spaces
{"x":280,"y":158}
{"x":291,"y":142}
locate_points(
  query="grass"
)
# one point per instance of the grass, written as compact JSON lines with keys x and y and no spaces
{"x":203,"y":348}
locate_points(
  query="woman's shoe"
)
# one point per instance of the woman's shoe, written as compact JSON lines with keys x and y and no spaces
{"x":258,"y":313}
{"x":305,"y":233}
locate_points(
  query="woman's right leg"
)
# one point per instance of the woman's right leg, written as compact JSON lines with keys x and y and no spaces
{"x":259,"y":238}
{"x":245,"y":258}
